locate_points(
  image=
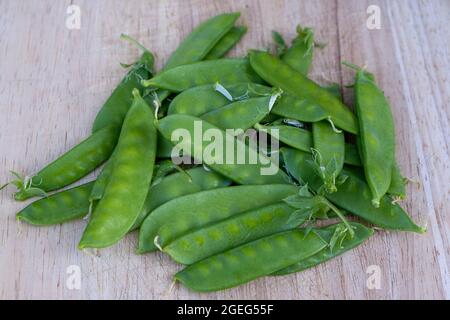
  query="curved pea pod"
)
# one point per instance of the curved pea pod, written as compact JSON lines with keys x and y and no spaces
{"x":58,"y":208}
{"x":329,"y":153}
{"x":250,"y":261}
{"x":241,"y":114}
{"x":202,"y":99}
{"x":227,"y":42}
{"x":295,"y":137}
{"x":129,"y":180}
{"x":279,"y":74}
{"x":299,"y":55}
{"x":225,"y":71}
{"x":116,"y":107}
{"x":177,"y":185}
{"x":247,"y":165}
{"x":340,"y":245}
{"x":232,"y":232}
{"x":196,"y":210}
{"x":73,"y":165}
{"x":202,"y":40}
{"x":352,"y":155}
{"x":377,"y":136}
{"x":352,"y":195}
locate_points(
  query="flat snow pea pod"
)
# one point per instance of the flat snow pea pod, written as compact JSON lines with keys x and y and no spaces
{"x":73,"y":165}
{"x":129,"y":180}
{"x":299,"y":55}
{"x":225,"y":71}
{"x":352,"y":155}
{"x":279,"y":74}
{"x":202,"y":99}
{"x":241,"y":114}
{"x":353,"y":195}
{"x":329,"y":153}
{"x":301,"y":139}
{"x":116,"y":107}
{"x":177,"y":185}
{"x":201,"y":40}
{"x":199,"y":209}
{"x":247,"y":166}
{"x":342,"y":244}
{"x":232,"y":232}
{"x":250,"y":261}
{"x":227,"y":42}
{"x":377,"y":134}
{"x":295,"y":137}
{"x":292,"y":107}
{"x":58,"y":208}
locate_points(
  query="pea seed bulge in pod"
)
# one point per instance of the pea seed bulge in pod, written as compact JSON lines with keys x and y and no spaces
{"x":224,"y":150}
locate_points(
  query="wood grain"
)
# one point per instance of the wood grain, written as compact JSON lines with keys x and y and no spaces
{"x":53,"y":81}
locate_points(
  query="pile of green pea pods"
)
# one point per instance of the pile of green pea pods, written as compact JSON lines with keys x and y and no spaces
{"x":227,"y":223}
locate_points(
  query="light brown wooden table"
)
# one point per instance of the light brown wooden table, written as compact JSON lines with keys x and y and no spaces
{"x":53,"y":81}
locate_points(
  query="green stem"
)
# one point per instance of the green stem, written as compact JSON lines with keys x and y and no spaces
{"x":341,"y":216}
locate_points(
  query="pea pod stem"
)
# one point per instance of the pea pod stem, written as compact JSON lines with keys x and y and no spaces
{"x":340,"y":215}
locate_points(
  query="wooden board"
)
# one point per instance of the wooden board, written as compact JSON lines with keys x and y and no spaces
{"x":53,"y":80}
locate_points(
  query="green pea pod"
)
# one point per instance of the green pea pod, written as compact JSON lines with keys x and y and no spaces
{"x":242,"y":114}
{"x":344,"y":244}
{"x":227,"y":42}
{"x":292,"y":107}
{"x":202,"y":40}
{"x":200,"y":209}
{"x":232,"y":232}
{"x":252,"y":260}
{"x":177,"y":185}
{"x":295,"y":137}
{"x":299,"y":55}
{"x":199,"y":100}
{"x":279,"y":74}
{"x":71,"y":166}
{"x":247,"y":165}
{"x":353,"y":194}
{"x":129,"y":180}
{"x":58,"y":208}
{"x":207,"y":98}
{"x":224,"y":71}
{"x":301,"y":139}
{"x":116,"y":107}
{"x":377,"y":134}
{"x":329,"y":153}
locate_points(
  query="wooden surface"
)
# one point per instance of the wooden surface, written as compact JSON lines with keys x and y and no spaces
{"x":53,"y":81}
